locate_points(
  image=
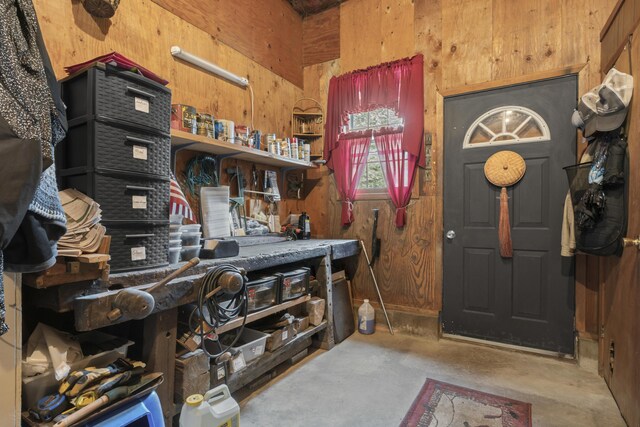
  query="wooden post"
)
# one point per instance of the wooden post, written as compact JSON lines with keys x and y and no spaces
{"x":326,"y":339}
{"x":159,"y":353}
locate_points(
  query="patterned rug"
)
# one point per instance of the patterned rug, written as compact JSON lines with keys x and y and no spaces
{"x":441,"y":404}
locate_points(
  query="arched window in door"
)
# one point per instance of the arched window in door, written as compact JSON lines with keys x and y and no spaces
{"x":506,"y":125}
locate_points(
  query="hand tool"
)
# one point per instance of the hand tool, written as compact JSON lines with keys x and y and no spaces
{"x":375,"y":242}
{"x":49,"y":407}
{"x":110,"y":397}
{"x":138,"y":304}
{"x":375,"y":282}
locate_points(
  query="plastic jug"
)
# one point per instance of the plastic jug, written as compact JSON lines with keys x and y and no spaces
{"x":215,"y":409}
{"x":366,"y":318}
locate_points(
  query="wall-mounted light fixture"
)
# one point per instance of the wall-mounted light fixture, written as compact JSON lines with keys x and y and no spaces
{"x":177,"y":52}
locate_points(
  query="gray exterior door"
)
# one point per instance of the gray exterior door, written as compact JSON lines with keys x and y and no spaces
{"x":527,"y":300}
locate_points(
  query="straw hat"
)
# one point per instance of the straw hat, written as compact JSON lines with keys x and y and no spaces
{"x":504,"y":168}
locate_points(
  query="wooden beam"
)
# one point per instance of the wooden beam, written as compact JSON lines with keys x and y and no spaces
{"x":262,"y":314}
{"x":496,"y":84}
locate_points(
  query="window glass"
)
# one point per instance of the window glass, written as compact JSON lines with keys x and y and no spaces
{"x":507,"y":125}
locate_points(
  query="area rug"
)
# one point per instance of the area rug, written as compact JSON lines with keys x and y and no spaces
{"x":441,"y":404}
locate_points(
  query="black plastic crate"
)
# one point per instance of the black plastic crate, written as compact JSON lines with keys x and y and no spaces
{"x":138,"y":245}
{"x":294,"y":284}
{"x":262,"y":293}
{"x":106,"y":92}
{"x":123,"y":197}
{"x":119,"y":146}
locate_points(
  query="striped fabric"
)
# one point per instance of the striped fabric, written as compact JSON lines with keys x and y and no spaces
{"x":178,"y":203}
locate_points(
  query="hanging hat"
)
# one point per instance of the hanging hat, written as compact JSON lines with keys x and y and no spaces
{"x":604,"y":107}
{"x":615,"y":96}
{"x":101,"y":8}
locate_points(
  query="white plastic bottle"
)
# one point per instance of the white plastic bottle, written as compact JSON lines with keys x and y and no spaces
{"x":215,"y":409}
{"x":366,"y":318}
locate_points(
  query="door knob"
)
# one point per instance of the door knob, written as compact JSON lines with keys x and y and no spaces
{"x":451,"y":234}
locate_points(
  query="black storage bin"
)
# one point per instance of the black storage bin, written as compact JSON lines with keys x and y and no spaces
{"x":262,"y":293}
{"x":138,"y":245}
{"x":109,"y":93}
{"x":294,"y":284}
{"x":111,"y":145}
{"x":123,"y":197}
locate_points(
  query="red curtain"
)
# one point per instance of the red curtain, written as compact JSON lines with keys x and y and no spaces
{"x":396,"y":85}
{"x":351,"y":155}
{"x":399,"y":169}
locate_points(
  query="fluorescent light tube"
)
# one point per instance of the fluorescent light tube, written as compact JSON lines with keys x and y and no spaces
{"x":206,"y":65}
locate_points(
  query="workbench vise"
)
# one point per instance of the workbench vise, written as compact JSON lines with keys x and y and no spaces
{"x":136,"y":304}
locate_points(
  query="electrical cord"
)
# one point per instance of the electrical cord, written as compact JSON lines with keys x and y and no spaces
{"x":211,"y":312}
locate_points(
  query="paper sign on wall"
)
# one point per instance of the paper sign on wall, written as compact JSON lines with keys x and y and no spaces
{"x":142,"y":105}
{"x":140,"y":152}
{"x":138,"y":254}
{"x":139,"y":202}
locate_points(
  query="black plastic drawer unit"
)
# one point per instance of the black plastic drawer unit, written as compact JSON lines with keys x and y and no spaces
{"x":105,"y":92}
{"x":115,"y":146}
{"x":138,"y":245}
{"x":262,"y":293}
{"x":294,"y":284}
{"x":124,"y":197}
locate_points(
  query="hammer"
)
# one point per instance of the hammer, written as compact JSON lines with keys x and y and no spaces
{"x":137,"y":304}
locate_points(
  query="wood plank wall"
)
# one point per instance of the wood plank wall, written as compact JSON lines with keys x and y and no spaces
{"x":266,"y":31}
{"x":464,"y":43}
{"x":620,"y":277}
{"x":144,"y":32}
{"x":321,"y":37}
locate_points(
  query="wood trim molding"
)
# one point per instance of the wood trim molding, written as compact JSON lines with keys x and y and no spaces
{"x":527,"y":78}
{"x":611,"y":18}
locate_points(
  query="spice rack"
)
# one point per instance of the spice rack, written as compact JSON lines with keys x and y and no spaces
{"x":307,"y":120}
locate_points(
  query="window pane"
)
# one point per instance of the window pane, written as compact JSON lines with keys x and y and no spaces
{"x":479,"y":135}
{"x":378,"y":118}
{"x":494,"y":122}
{"x":360,"y":121}
{"x":530,"y":130}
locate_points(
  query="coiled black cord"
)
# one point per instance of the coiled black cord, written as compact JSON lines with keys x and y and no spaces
{"x":212,"y":313}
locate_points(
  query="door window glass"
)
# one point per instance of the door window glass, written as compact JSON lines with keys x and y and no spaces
{"x":506,"y":125}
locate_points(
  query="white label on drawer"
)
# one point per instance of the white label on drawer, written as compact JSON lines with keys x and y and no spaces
{"x":139,"y":202}
{"x":140,"y":152}
{"x":238,"y":363}
{"x":285,"y":334}
{"x":142,"y":105}
{"x":138,"y":254}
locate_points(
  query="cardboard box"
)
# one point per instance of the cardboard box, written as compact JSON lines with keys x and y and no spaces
{"x":280,"y":337}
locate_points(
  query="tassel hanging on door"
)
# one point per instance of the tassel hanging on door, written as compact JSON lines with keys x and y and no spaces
{"x":504,"y":227}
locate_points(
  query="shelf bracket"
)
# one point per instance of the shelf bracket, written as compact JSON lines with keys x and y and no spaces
{"x":219,"y":159}
{"x":174,"y":151}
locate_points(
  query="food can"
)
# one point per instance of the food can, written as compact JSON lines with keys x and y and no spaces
{"x":225,"y":130}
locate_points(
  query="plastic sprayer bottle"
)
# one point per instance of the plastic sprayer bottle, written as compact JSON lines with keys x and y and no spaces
{"x":366,"y":318}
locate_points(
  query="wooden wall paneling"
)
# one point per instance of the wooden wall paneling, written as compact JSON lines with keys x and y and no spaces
{"x":396,"y":29}
{"x":621,"y":276}
{"x":467,"y":29}
{"x":321,"y":37}
{"x":615,"y":33}
{"x":145,"y":32}
{"x":360,"y":36}
{"x":527,"y":36}
{"x":267,"y":31}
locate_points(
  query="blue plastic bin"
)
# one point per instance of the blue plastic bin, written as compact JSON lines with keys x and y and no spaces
{"x":143,"y":412}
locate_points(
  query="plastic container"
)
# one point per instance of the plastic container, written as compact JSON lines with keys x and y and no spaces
{"x":145,"y":410}
{"x":175,"y":243}
{"x":366,"y":318}
{"x":294,"y":284}
{"x":174,"y":255}
{"x":175,"y":235}
{"x":262,"y":293}
{"x":191,"y":239}
{"x":190,"y":228}
{"x":175,"y":228}
{"x":251,"y":343}
{"x":215,"y":408}
{"x":188,"y":252}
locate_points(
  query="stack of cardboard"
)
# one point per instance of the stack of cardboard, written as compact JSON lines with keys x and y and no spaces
{"x":84,"y":232}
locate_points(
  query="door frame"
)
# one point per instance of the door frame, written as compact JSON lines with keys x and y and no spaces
{"x":582,"y":71}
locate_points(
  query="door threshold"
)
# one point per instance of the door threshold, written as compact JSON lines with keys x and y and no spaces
{"x":511,"y":347}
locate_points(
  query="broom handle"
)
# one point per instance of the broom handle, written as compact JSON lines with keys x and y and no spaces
{"x":504,"y":227}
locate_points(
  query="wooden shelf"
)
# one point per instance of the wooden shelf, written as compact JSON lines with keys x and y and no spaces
{"x":262,"y":314}
{"x":307,"y":135}
{"x":185,"y":140}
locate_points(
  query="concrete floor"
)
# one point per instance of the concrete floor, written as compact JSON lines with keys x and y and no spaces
{"x":373,"y":380}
